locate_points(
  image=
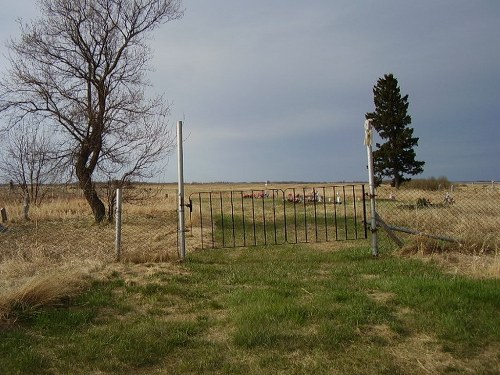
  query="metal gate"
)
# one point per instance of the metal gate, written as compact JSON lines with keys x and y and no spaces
{"x":241,"y":218}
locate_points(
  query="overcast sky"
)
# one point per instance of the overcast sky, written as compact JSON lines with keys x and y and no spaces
{"x":278,"y":89}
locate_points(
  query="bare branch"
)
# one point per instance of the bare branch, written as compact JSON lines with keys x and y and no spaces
{"x":80,"y":69}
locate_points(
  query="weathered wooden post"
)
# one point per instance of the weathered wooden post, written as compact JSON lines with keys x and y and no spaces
{"x":3,"y":212}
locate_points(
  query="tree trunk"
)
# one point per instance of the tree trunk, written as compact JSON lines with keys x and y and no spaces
{"x":89,"y":191}
{"x":98,"y":208}
{"x":397,"y":181}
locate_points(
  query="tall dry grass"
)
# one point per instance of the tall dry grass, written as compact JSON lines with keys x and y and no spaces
{"x":48,"y":289}
{"x":473,"y":221}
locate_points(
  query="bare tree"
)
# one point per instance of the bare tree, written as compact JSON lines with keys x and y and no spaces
{"x":80,"y":69}
{"x":30,"y":161}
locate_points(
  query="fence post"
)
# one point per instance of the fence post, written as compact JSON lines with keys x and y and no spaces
{"x":371,"y":176}
{"x":26,"y":206}
{"x":118,"y":224}
{"x":180,"y":170}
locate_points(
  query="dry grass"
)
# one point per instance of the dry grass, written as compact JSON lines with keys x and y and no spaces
{"x":473,"y":219}
{"x":422,"y":354}
{"x":61,"y":235}
{"x":48,"y":289}
{"x":455,"y":258}
{"x":61,"y":243}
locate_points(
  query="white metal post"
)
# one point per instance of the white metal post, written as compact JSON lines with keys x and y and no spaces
{"x":180,"y":170}
{"x":118,"y":224}
{"x":371,"y":176}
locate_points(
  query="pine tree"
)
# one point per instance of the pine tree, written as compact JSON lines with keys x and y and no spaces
{"x":396,"y":157}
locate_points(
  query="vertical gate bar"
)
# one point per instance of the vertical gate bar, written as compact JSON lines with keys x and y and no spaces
{"x":274,"y":220}
{"x":253,"y":220}
{"x":222,"y":221}
{"x":295,"y":214}
{"x":243,"y":218}
{"x":335,"y":214}
{"x":364,"y":211}
{"x":212,"y":218}
{"x":315,"y":215}
{"x":232,"y":218}
{"x":345,"y":212}
{"x":264,"y":216}
{"x":355,"y":214}
{"x":305,"y":211}
{"x":324,"y":213}
{"x":201,"y":220}
{"x":284,"y":215}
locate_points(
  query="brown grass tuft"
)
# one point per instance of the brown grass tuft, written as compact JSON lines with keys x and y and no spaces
{"x":50,"y":289}
{"x":456,"y":258}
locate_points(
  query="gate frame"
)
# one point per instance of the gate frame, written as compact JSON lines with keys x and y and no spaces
{"x":312,"y":215}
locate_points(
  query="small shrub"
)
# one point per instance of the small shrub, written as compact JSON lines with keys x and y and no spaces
{"x":430,"y":184}
{"x":423,"y":202}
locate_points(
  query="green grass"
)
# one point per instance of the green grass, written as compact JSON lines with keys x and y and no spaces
{"x":240,"y":230}
{"x":268,"y":310}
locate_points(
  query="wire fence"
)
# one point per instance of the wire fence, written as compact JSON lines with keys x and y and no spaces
{"x":61,"y":230}
{"x":467,"y":213}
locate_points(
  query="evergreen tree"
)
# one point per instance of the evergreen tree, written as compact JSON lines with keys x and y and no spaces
{"x":396,"y":157}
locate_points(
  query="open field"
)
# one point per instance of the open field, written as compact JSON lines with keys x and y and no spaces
{"x":65,"y":303}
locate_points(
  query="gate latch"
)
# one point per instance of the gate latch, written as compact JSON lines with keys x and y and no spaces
{"x":190,"y":205}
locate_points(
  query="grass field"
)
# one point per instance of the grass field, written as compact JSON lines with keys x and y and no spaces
{"x":67,"y":307}
{"x":288,"y":309}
